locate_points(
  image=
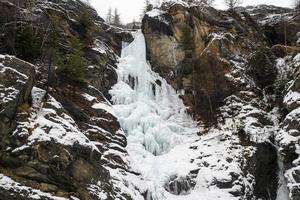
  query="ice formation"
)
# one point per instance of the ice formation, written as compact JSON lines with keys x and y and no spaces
{"x":153,"y":117}
{"x":148,"y":108}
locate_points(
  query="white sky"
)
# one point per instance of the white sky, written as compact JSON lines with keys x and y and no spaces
{"x":131,"y":9}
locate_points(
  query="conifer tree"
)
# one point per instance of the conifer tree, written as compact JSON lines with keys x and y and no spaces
{"x":73,"y":69}
{"x":109,"y":17}
{"x":117,"y":18}
{"x":27,"y":44}
{"x":148,"y":7}
{"x":231,"y":4}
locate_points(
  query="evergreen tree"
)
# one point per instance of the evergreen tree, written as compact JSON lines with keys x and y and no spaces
{"x":148,"y":7}
{"x":85,"y":19}
{"x":117,"y":19}
{"x":27,"y":44}
{"x":109,"y":17}
{"x":73,"y":69}
{"x":231,"y":4}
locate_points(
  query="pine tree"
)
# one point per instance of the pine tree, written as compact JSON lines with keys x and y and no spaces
{"x":73,"y":69}
{"x":27,"y":44}
{"x":109,"y":17}
{"x":231,"y":4}
{"x":117,"y":19}
{"x":85,"y":19}
{"x":148,"y":6}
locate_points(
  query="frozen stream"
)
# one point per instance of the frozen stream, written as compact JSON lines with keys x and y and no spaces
{"x":154,"y":119}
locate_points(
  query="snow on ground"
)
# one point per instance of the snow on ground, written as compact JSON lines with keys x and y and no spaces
{"x":100,"y":47}
{"x":162,"y":139}
{"x":48,"y":124}
{"x":9,"y":93}
{"x":104,"y":106}
{"x":288,"y":136}
{"x":291,"y":97}
{"x":155,"y":12}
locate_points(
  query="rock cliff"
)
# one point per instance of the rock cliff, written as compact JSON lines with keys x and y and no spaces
{"x":221,"y":119}
{"x":59,"y":140}
{"x":229,"y":70}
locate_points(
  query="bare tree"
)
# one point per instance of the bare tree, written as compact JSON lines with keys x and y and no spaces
{"x":231,"y":4}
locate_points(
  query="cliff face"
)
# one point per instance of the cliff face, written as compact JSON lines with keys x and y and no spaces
{"x":198,"y":51}
{"x":238,"y":76}
{"x":58,"y":140}
{"x":229,"y":71}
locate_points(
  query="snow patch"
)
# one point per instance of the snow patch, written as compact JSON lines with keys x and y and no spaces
{"x":104,"y":106}
{"x":291,"y":97}
{"x":155,"y":13}
{"x":10,"y":185}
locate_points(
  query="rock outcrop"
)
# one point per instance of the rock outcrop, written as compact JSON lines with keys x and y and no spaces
{"x":237,"y":73}
{"x":60,"y":140}
{"x":223,"y":67}
{"x":17,"y":79}
{"x":195,"y":49}
{"x":288,"y":137}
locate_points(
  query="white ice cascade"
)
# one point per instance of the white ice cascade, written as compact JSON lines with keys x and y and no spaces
{"x":148,"y":108}
{"x":154,"y":119}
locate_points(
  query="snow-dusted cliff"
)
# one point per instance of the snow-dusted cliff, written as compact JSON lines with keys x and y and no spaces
{"x":200,"y":104}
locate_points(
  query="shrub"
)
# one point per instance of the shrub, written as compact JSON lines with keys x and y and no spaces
{"x":261,"y":67}
{"x":73,"y":68}
{"x":85,"y":19}
{"x":25,"y":107}
{"x":27,"y":44}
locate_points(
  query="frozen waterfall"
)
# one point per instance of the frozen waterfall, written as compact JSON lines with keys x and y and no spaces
{"x":153,"y":117}
{"x":149,"y":109}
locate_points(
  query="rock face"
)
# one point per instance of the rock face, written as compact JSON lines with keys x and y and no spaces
{"x":236,"y":73}
{"x":280,"y":25}
{"x":14,"y":93}
{"x":60,"y":141}
{"x":289,"y":137}
{"x":193,"y":49}
{"x":223,"y":67}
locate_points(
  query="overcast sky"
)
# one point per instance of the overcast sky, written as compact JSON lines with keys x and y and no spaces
{"x":131,"y":9}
